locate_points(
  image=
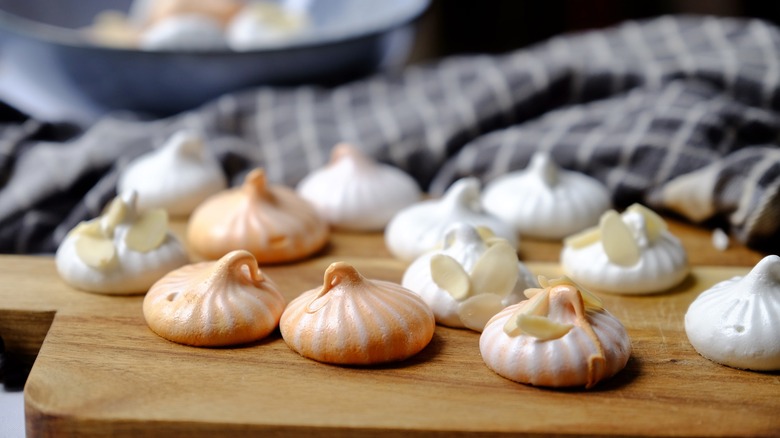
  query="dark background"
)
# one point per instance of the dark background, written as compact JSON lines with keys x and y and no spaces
{"x":495,"y":26}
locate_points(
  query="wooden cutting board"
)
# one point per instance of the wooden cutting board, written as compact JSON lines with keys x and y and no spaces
{"x":101,"y":371}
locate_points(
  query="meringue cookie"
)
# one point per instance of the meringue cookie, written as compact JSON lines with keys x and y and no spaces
{"x":352,"y":320}
{"x":629,"y":254}
{"x":211,"y":304}
{"x":736,"y":322}
{"x":189,"y":32}
{"x":353,"y":192}
{"x":150,"y":12}
{"x":177,"y":177}
{"x":470,"y":279}
{"x":546,"y":201}
{"x":113,"y":29}
{"x":420,"y":227}
{"x":120,"y":252}
{"x":260,"y":24}
{"x":270,"y":221}
{"x":561,"y":336}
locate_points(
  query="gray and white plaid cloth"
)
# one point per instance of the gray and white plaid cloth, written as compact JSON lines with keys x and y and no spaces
{"x":680,"y":113}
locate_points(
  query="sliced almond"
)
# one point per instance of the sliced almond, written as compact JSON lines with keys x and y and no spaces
{"x":88,"y":228}
{"x":654,"y":224}
{"x":97,"y":252}
{"x":590,"y":299}
{"x":583,"y":238}
{"x":532,"y":292}
{"x":476,"y":311}
{"x":496,"y":270}
{"x":449,"y":275}
{"x":617,"y":240}
{"x":485,"y":233}
{"x":537,"y":305}
{"x":541,"y":327}
{"x":148,"y":232}
{"x":113,"y":215}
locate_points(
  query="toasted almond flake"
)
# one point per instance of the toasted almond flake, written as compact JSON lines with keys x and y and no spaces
{"x":97,"y":252}
{"x":148,"y":232}
{"x":590,"y":299}
{"x":477,"y":310}
{"x":654,"y":224}
{"x":541,"y":327}
{"x":559,"y":281}
{"x":583,"y":238}
{"x":617,"y":240}
{"x":449,"y":275}
{"x":496,"y":270}
{"x":485,"y":233}
{"x":537,"y":305}
{"x":88,"y":228}
{"x":532,"y":292}
{"x":114,"y":214}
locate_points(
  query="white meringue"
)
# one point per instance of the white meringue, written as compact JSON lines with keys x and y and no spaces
{"x":546,"y":201}
{"x":421,"y":226}
{"x":470,"y":279}
{"x":120,"y":252}
{"x":193,"y":32}
{"x":354,"y":192}
{"x":629,"y":254}
{"x":177,"y":177}
{"x":736,"y":322}
{"x":261,"y":23}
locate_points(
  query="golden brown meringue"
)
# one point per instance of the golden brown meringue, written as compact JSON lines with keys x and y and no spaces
{"x":271,"y":222}
{"x":352,"y":320}
{"x":560,"y":337}
{"x":212,"y":304}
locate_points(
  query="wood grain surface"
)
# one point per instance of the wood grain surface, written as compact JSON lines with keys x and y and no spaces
{"x":101,"y":371}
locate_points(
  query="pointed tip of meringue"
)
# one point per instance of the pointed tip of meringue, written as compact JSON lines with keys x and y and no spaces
{"x":543,"y":165}
{"x":186,"y":143}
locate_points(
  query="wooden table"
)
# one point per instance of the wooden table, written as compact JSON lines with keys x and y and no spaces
{"x":101,"y":371}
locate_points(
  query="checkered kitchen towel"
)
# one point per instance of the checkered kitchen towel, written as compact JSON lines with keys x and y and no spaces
{"x":680,"y":113}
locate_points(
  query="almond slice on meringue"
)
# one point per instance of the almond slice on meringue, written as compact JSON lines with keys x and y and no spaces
{"x":629,"y":253}
{"x":554,"y":339}
{"x":122,"y":251}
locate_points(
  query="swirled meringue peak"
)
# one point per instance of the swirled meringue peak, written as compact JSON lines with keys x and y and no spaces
{"x":212,"y":304}
{"x":560,"y":337}
{"x":632,"y":253}
{"x":421,"y":226}
{"x":737,"y":321}
{"x":270,"y":221}
{"x":177,"y":177}
{"x":354,"y":192}
{"x":471,"y":278}
{"x":546,"y":201}
{"x":120,"y":252}
{"x":352,"y":320}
